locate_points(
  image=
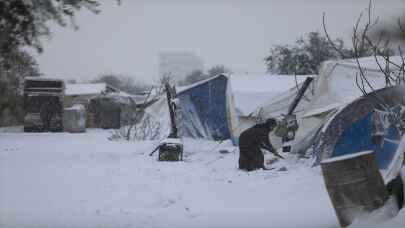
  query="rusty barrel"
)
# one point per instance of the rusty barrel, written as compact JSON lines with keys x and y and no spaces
{"x":354,"y":184}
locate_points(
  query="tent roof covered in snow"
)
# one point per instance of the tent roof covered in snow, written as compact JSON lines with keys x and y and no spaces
{"x":278,"y":105}
{"x":254,"y":90}
{"x":336,"y":83}
{"x":333,"y":87}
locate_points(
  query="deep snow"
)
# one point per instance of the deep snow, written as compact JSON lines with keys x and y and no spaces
{"x":84,"y":180}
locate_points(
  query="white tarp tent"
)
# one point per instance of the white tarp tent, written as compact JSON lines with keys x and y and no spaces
{"x":333,"y":88}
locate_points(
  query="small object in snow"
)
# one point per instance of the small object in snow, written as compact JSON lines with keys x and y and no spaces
{"x":224,"y":151}
{"x":170,"y":152}
{"x":229,"y":181}
{"x":170,"y":149}
{"x":283,"y":169}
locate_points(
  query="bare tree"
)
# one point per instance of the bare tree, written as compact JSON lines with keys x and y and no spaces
{"x":380,"y":49}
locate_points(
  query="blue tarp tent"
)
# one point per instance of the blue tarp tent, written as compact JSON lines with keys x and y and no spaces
{"x":371,"y":123}
{"x":206,"y":110}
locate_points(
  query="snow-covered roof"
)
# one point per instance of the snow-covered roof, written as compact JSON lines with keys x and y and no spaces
{"x":336,"y":84}
{"x":253,"y":90}
{"x":85,"y":88}
{"x":369,"y":63}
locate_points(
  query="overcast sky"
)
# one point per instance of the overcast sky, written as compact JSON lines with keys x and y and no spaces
{"x":126,"y":39}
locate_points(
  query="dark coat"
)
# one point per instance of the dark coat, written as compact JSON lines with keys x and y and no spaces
{"x":251,"y":141}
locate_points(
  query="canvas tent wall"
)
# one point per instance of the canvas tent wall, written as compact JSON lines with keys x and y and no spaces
{"x":205,"y":110}
{"x":334,"y":87}
{"x":252,"y":91}
{"x":278,"y":106}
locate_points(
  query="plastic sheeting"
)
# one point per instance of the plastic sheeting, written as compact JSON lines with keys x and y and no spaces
{"x":332,"y":89}
{"x":204,"y":110}
{"x":278,"y":107}
{"x":373,"y":122}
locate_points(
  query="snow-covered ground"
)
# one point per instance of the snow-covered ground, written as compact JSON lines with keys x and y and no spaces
{"x":84,"y":180}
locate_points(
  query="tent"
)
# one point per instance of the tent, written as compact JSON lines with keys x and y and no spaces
{"x":334,"y":87}
{"x":278,"y":106}
{"x":252,"y":91}
{"x":204,"y":110}
{"x":111,"y":111}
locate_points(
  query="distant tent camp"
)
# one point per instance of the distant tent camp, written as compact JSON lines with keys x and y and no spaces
{"x":205,"y":110}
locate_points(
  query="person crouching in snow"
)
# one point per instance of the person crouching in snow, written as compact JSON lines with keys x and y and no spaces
{"x":251,"y":141}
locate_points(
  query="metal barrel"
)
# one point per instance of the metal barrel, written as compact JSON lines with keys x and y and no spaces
{"x":354,"y":184}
